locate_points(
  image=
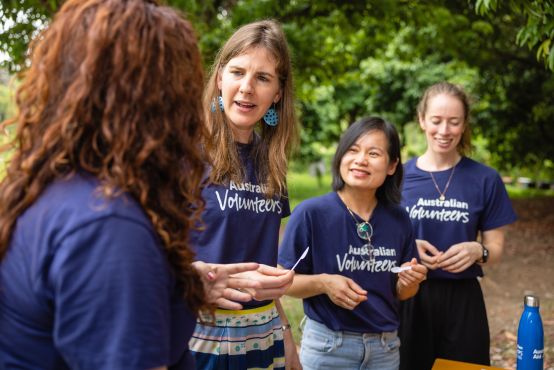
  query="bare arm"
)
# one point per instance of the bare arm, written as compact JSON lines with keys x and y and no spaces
{"x":292,"y":360}
{"x":305,"y":286}
{"x":342,"y":291}
{"x":221,"y":287}
{"x":461,"y":256}
{"x":273,"y":282}
{"x":494,"y":241}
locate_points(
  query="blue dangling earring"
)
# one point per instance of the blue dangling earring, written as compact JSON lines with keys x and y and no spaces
{"x":270,"y":117}
{"x":220,"y":103}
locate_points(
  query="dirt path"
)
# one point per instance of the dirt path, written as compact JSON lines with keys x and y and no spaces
{"x":527,"y":267}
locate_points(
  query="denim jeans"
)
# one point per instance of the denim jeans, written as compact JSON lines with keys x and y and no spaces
{"x":323,"y":348}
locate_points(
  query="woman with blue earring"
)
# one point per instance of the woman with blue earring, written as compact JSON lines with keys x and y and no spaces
{"x":252,"y":127}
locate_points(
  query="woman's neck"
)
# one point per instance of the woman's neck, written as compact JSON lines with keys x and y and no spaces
{"x":243,"y":136}
{"x":431,"y":161}
{"x":360,"y":202}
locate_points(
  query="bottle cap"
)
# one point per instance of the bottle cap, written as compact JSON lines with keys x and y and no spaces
{"x":531,"y":301}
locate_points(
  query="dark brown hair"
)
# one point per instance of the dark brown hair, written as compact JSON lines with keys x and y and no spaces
{"x":113,"y":89}
{"x":464,"y":146}
{"x":389,"y":192}
{"x":275,"y":144}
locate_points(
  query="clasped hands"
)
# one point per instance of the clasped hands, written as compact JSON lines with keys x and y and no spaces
{"x":457,"y":258}
{"x":227,"y":284}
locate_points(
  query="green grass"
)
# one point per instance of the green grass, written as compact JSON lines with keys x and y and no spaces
{"x":520,"y":193}
{"x":295,"y":312}
{"x":302,"y":186}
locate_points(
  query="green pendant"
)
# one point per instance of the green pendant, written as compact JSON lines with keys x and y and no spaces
{"x":363,"y":227}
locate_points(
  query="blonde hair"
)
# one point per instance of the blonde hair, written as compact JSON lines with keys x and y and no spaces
{"x":275,"y":144}
{"x":464,"y":146}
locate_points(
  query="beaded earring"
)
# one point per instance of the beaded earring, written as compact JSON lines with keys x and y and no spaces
{"x":220,"y":103}
{"x":270,"y":117}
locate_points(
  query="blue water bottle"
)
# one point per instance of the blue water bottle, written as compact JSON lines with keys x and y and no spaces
{"x":530,"y":336}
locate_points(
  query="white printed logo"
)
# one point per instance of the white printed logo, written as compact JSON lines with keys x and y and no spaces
{"x":450,"y":210}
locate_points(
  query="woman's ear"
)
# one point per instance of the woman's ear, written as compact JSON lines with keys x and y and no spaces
{"x":218,"y":78}
{"x":277,"y":97}
{"x":392,"y":167}
{"x":421,"y":121}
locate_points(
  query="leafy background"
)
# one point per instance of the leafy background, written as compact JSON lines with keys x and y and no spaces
{"x":358,"y":58}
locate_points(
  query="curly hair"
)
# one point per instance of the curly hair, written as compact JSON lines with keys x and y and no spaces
{"x":276,"y":143}
{"x":113,"y":89}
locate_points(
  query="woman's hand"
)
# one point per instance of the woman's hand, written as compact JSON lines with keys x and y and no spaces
{"x":273,"y":282}
{"x":428,"y":254}
{"x":343,"y":291}
{"x":409,"y":280}
{"x":460,"y":257}
{"x":221,"y":287}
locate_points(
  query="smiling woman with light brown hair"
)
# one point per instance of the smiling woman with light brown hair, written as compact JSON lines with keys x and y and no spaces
{"x":458,"y":208}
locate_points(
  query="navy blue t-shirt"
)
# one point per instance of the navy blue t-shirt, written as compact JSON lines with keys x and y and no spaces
{"x":325,"y":225}
{"x":476,"y":200}
{"x":240,"y":223}
{"x":86,"y":285}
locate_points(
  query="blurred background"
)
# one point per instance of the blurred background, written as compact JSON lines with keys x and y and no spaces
{"x":358,"y":58}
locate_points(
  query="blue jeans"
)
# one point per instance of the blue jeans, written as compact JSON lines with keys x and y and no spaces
{"x":323,"y":348}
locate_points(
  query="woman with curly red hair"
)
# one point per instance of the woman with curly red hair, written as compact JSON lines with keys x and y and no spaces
{"x":101,"y":193}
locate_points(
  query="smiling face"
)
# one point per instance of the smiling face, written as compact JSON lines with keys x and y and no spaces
{"x":249,"y":86}
{"x":443,"y":123}
{"x":366,"y":164}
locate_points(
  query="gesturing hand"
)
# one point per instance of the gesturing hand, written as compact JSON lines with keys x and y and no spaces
{"x":273,"y":282}
{"x":221,"y":283}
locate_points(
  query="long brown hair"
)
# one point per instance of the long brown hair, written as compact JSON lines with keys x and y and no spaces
{"x":464,"y":146}
{"x":112,"y":89}
{"x":274,"y":147}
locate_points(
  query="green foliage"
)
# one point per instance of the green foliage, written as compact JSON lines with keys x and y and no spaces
{"x":359,"y":58}
{"x":295,"y":312}
{"x":20,"y":21}
{"x":516,"y":192}
{"x":7,"y":106}
{"x":538,"y":31}
{"x":302,"y":185}
{"x":6,"y":111}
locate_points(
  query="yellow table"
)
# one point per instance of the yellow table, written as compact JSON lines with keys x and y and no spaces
{"x":442,"y":364}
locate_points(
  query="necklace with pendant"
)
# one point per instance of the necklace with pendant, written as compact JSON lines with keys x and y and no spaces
{"x":442,"y":194}
{"x":365,"y":232}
